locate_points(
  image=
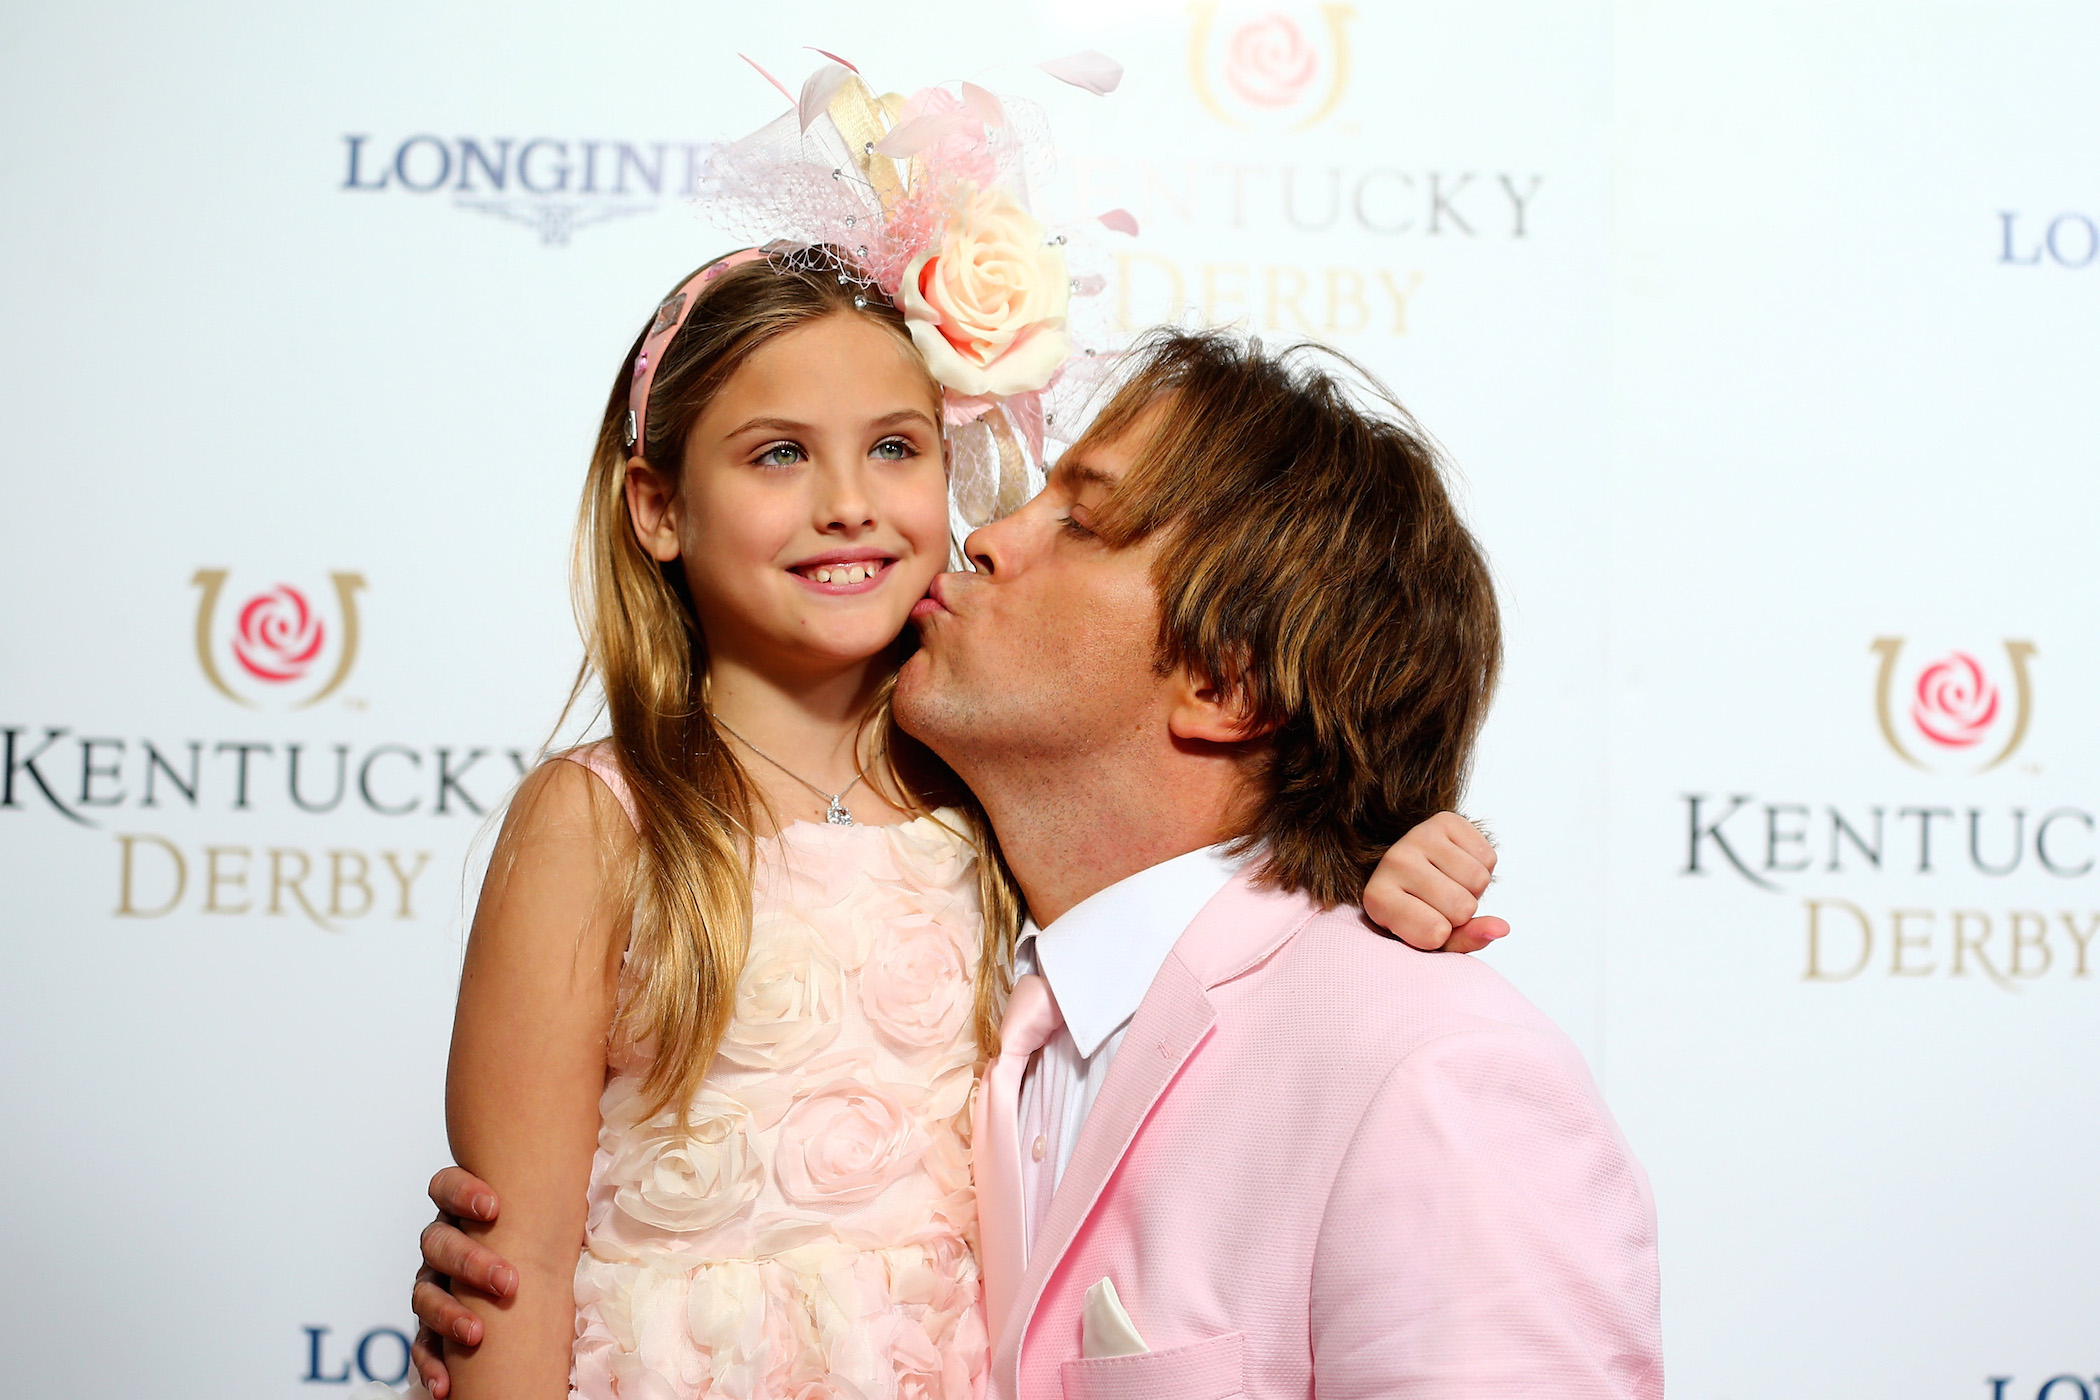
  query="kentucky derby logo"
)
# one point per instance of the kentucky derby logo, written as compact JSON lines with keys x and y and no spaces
{"x":1275,"y":69}
{"x":276,"y":644}
{"x":1952,"y":708}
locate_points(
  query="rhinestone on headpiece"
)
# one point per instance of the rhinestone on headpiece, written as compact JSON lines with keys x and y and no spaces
{"x":667,"y":313}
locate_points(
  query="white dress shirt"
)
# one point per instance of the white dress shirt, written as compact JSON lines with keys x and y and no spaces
{"x":1099,"y":959}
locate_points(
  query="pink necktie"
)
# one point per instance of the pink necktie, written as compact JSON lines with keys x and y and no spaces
{"x":1031,"y":1019}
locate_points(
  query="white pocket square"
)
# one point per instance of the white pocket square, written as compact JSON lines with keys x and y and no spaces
{"x":1105,"y":1329}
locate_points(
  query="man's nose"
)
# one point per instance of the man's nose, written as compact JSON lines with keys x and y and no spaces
{"x":985,"y":549}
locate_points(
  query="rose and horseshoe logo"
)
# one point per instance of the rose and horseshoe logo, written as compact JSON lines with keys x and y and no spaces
{"x":1954,"y":704}
{"x":278,"y":636}
{"x":1270,"y":69}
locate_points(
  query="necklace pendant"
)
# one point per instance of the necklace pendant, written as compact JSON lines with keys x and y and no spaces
{"x":836,"y":814}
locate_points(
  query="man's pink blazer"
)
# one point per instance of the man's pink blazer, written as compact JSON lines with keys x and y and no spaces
{"x":1326,"y":1164}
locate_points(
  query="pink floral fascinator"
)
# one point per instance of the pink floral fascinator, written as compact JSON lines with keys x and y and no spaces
{"x":928,"y":197}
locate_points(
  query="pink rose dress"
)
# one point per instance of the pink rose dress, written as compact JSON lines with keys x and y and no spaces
{"x":811,"y":1235}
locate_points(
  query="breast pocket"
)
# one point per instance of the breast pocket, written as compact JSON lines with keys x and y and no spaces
{"x":1205,"y":1370}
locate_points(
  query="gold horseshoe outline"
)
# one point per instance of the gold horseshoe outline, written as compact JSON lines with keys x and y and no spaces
{"x":211,"y":581}
{"x":1199,"y":44}
{"x":1338,"y":17}
{"x":2017,"y":653}
{"x":1888,"y":648}
{"x":346,"y":586}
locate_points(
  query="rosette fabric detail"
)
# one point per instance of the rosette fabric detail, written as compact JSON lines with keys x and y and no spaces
{"x":811,"y":1234}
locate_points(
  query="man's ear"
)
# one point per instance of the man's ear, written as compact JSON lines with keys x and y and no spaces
{"x":652,"y":504}
{"x":1202,"y":711}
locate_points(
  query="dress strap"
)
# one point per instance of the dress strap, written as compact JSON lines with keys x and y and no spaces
{"x":605,"y":766}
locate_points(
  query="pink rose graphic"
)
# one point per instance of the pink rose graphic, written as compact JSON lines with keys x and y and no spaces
{"x":1268,"y":63}
{"x":278,"y":636}
{"x":1956,"y":702}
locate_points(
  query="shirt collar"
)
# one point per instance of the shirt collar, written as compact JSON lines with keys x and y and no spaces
{"x":1101,"y":956}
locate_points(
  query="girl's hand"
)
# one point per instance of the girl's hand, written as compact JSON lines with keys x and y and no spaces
{"x":1427,"y":888}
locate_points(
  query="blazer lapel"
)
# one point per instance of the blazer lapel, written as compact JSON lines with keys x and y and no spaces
{"x":1238,"y":929}
{"x":1173,"y":1019}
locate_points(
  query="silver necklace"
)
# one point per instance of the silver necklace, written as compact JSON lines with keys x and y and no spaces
{"x":834,"y":802}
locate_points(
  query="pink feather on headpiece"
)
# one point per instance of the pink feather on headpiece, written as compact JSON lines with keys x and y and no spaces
{"x":768,"y":76}
{"x":1096,"y":72}
{"x":843,"y":63}
{"x":818,"y":90}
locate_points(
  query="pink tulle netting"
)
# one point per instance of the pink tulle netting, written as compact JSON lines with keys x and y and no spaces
{"x":785,"y":182}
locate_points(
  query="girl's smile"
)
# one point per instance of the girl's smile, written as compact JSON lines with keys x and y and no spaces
{"x":844,"y":572}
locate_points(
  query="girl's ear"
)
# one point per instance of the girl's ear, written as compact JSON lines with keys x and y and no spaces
{"x":652,"y":504}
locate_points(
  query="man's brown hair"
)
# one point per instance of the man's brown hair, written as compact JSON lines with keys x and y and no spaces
{"x":1312,"y":566}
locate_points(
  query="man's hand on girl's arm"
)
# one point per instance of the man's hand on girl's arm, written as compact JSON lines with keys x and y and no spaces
{"x":448,"y":1254}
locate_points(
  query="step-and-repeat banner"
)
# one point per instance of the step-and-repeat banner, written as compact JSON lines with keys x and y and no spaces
{"x":1762,"y":335}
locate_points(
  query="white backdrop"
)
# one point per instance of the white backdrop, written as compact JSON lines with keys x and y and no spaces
{"x":1763,"y":336}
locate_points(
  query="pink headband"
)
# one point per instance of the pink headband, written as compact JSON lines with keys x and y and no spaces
{"x":670,"y":319}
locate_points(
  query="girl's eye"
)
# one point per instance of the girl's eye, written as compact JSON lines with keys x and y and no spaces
{"x":780,"y":454}
{"x":1073,"y":528}
{"x":895,"y":449}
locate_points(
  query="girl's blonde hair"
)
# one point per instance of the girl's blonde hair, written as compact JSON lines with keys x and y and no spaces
{"x":693,"y":800}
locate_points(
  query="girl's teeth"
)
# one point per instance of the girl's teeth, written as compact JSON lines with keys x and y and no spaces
{"x":844,"y":574}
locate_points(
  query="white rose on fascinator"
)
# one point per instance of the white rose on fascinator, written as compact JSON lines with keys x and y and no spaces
{"x":986,"y":305}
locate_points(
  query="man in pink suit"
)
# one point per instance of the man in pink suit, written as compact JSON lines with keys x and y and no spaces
{"x":1237,"y":1142}
{"x":1239,"y":645}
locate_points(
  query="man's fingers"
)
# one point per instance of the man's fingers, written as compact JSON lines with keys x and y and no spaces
{"x":457,"y":1191}
{"x":1475,"y":934}
{"x":425,"y":1353}
{"x":445,"y":1316}
{"x":451,"y":1253}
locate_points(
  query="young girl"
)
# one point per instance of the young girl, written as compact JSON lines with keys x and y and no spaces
{"x":734,"y":968}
